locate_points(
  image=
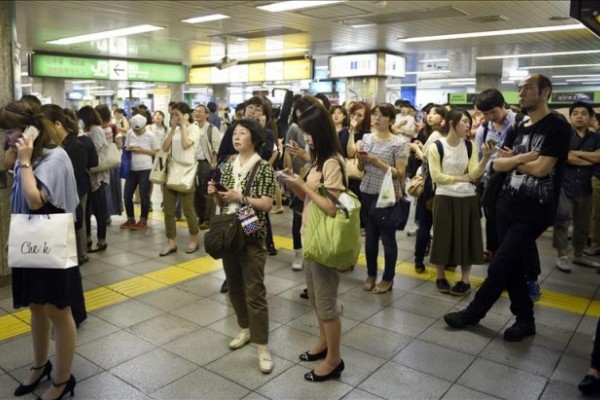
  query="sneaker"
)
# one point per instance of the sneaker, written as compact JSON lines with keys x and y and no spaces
{"x":534,"y":290}
{"x":562,"y":264}
{"x":297,"y":264}
{"x":128,"y":224}
{"x":585,"y":261}
{"x":519,"y":331}
{"x":140,"y":226}
{"x":460,"y":289}
{"x":460,"y":319}
{"x":443,"y":286}
{"x":592,"y":251}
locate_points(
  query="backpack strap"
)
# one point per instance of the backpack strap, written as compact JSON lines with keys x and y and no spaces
{"x":469,"y":145}
{"x":440,"y":148}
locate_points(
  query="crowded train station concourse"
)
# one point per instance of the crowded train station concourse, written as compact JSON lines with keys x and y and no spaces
{"x":299,"y":199}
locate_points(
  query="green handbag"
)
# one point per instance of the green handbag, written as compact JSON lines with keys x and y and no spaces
{"x":333,"y":241}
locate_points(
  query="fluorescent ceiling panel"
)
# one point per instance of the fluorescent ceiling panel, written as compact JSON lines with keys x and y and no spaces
{"x":503,"y":32}
{"x":132,"y":30}
{"x":534,"y":55}
{"x":205,"y":18}
{"x":296,"y":5}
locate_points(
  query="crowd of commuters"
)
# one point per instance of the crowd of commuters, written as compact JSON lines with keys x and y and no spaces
{"x":524,"y":171}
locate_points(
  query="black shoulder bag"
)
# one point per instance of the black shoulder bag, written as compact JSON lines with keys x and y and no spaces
{"x":226,"y":235}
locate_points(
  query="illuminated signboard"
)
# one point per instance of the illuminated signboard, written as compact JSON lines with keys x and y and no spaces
{"x":58,"y":66}
{"x":262,"y":71}
{"x":367,"y":64}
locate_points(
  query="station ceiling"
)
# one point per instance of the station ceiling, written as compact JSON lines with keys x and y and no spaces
{"x":351,"y":26}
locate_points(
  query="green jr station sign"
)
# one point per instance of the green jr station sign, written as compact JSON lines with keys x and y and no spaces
{"x":59,"y":66}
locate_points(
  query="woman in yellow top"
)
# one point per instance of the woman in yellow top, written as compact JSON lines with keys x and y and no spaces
{"x":457,"y":235}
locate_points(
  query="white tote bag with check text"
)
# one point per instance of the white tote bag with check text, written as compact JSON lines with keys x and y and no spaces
{"x":42,"y":241}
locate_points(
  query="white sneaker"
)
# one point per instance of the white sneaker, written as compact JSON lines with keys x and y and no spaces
{"x":297,"y":264}
{"x":563,"y":264}
{"x":240,"y":340}
{"x":592,"y":251}
{"x":585,"y":261}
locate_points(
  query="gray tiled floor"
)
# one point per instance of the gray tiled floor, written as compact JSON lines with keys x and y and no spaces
{"x":172,"y":343}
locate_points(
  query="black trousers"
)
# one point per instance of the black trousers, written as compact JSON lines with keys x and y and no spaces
{"x":507,"y":269}
{"x":596,"y":351}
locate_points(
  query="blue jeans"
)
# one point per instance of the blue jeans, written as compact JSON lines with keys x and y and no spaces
{"x":375,"y":230}
{"x":135,"y":179}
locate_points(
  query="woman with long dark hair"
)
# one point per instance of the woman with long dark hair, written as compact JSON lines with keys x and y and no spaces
{"x":44,"y":184}
{"x":322,"y":281}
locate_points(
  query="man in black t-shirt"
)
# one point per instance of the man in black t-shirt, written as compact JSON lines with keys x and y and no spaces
{"x":533,"y":158}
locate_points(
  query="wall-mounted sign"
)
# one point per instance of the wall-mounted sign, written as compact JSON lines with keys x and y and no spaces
{"x":58,"y":66}
{"x":261,"y":71}
{"x":513,"y":97}
{"x":571,"y":97}
{"x":367,"y":64}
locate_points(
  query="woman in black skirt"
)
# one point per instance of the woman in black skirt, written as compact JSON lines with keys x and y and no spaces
{"x":44,"y":184}
{"x":454,"y":166}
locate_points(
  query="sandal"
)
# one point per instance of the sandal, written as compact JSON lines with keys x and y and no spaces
{"x":383,"y":287}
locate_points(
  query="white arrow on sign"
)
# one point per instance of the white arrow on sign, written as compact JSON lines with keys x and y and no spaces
{"x":118,"y":70}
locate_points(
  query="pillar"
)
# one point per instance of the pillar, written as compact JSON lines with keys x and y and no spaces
{"x":220,"y":95}
{"x":488,"y":75}
{"x":370,"y":90}
{"x":7,"y":93}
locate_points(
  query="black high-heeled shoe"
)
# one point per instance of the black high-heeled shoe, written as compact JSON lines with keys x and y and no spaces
{"x":70,"y":387}
{"x":24,"y":389}
{"x":306,"y":356}
{"x":336,"y":373}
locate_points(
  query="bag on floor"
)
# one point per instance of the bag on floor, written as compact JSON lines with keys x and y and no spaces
{"x":42,"y":241}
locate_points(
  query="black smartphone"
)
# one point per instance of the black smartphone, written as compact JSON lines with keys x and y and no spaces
{"x":214,"y":175}
{"x":220,"y":188}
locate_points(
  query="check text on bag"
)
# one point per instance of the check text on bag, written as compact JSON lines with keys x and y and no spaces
{"x":31,"y":248}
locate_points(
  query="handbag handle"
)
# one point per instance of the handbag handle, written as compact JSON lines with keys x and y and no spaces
{"x":250,"y":180}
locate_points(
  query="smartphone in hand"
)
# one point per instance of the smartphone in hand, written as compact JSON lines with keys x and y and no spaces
{"x":220,"y":187}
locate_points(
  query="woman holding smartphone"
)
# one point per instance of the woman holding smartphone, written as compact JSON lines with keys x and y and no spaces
{"x":44,"y":184}
{"x":181,"y":142}
{"x":245,"y":270}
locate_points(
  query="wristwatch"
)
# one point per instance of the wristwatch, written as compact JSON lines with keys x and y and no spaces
{"x":25,"y":165}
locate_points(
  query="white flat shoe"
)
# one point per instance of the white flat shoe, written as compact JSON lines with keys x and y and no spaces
{"x":265,"y":363}
{"x":240,"y":340}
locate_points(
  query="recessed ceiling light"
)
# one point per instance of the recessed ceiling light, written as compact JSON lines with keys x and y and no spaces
{"x":296,"y":5}
{"x":591,"y":83}
{"x":583,"y":80}
{"x":205,"y":18}
{"x":456,"y":80}
{"x":576,"y":76}
{"x":132,"y":30}
{"x":358,"y":26}
{"x":561,"y":66}
{"x":502,"y":32}
{"x":81,"y":82}
{"x":533,"y":55}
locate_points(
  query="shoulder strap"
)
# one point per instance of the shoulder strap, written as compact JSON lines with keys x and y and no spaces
{"x":332,"y":197}
{"x":440,"y":148}
{"x":250,"y":180}
{"x":469,"y":145}
{"x":209,"y":133}
{"x":344,"y":178}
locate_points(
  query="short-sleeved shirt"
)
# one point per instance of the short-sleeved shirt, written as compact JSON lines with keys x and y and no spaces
{"x":331,"y":177}
{"x":389,"y":151}
{"x":577,"y":180}
{"x":263,"y":185}
{"x":147,"y":140}
{"x":550,"y":136}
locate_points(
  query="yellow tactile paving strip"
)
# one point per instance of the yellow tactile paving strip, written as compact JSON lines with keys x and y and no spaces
{"x":17,"y":323}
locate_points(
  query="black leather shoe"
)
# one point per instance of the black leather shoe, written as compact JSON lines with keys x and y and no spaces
{"x":69,"y":387}
{"x":589,"y":385}
{"x":271,"y":250}
{"x":306,"y":356}
{"x":460,"y":319}
{"x":304,"y":294}
{"x":519,"y":331}
{"x":336,"y":373}
{"x":24,"y":389}
{"x":224,"y":287}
